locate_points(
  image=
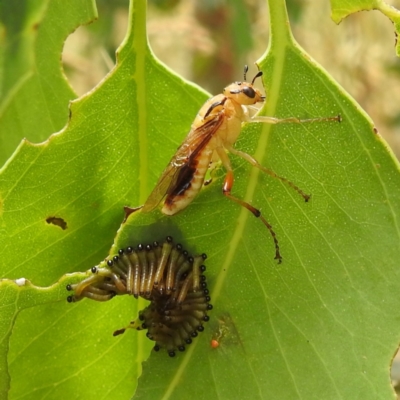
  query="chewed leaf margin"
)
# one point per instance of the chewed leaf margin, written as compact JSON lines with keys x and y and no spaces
{"x":342,"y":9}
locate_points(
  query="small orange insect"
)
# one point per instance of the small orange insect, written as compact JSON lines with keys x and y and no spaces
{"x":214,"y":131}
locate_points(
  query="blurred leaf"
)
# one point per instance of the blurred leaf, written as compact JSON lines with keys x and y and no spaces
{"x":242,"y":39}
{"x":323,"y":324}
{"x":342,"y":8}
{"x":34,"y":94}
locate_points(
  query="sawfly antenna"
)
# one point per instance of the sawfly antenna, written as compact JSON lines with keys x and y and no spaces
{"x":257,"y":76}
{"x":246,"y":68}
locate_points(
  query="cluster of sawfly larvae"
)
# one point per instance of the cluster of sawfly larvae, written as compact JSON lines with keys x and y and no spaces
{"x":167,"y":276}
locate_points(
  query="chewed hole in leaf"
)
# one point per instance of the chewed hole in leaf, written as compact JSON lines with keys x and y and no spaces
{"x":57,"y":221}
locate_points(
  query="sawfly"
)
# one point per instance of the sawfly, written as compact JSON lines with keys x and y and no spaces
{"x":212,"y":136}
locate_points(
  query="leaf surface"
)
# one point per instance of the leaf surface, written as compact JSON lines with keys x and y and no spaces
{"x":323,"y":324}
{"x":61,"y":203}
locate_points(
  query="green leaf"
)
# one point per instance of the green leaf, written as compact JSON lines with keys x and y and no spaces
{"x":62,"y":202}
{"x":33,"y":91}
{"x":342,"y":8}
{"x":320,"y":325}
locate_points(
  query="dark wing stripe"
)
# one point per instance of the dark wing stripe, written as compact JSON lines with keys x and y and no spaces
{"x":197,"y":140}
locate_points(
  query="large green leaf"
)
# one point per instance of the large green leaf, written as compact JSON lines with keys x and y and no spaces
{"x":323,"y":324}
{"x":83,"y":176}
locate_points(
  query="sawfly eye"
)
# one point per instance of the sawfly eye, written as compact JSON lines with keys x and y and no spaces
{"x":249,"y":92}
{"x":166,"y":275}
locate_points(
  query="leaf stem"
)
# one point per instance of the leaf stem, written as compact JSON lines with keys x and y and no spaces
{"x":280,"y":33}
